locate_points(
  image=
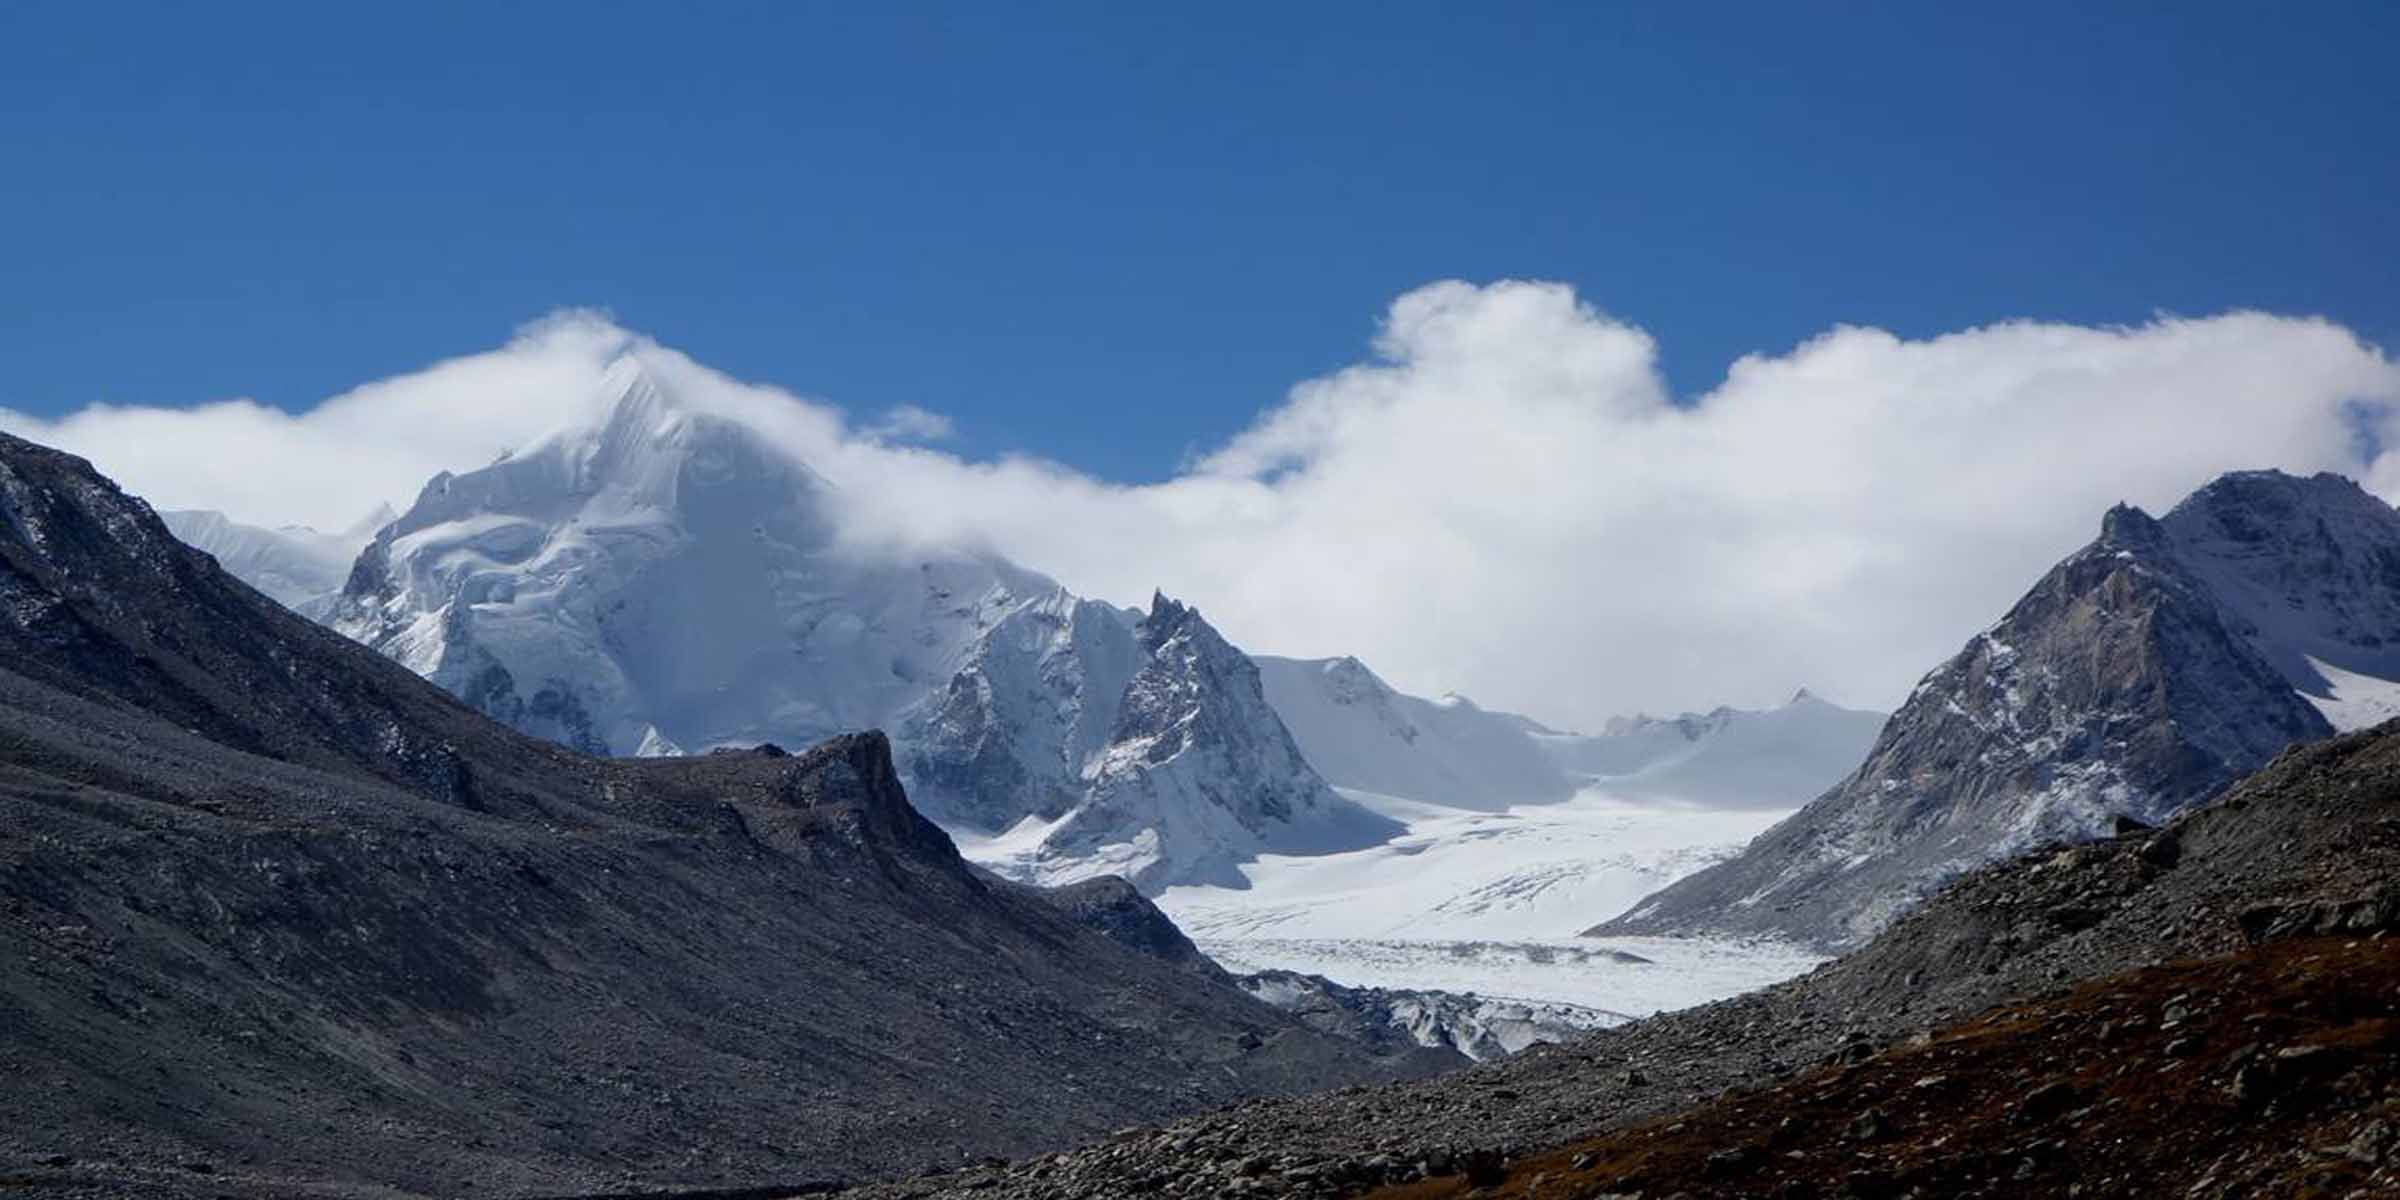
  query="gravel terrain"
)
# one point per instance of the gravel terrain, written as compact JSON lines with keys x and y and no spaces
{"x":2266,"y":1073}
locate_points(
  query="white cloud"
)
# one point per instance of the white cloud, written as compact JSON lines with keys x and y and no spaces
{"x":1501,"y":500}
{"x":908,"y":423}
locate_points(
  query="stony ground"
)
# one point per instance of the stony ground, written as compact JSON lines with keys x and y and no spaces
{"x":2268,"y":1073}
{"x":2309,"y":846}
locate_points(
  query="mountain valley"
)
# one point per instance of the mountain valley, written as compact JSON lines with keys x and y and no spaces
{"x":1350,"y":884}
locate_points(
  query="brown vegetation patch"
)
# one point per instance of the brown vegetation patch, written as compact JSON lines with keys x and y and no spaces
{"x":2270,"y":1072}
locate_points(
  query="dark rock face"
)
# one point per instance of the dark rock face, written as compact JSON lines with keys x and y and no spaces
{"x":1112,"y":907}
{"x":271,"y":902}
{"x":2149,"y":670}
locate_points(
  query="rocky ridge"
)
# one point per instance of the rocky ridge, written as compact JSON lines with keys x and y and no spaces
{"x":2148,"y":670}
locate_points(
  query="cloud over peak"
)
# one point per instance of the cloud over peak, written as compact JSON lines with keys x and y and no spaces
{"x":1502,"y":499}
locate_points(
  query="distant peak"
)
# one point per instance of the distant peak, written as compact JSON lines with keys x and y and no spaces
{"x":1803,"y":696}
{"x":1170,"y":618}
{"x":2269,"y":485}
{"x":2127,"y":526}
{"x":1348,"y":667}
{"x":2253,"y":506}
{"x":1166,"y":608}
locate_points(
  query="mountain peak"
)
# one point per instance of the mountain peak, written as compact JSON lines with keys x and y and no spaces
{"x":627,"y":379}
{"x":1168,"y":617}
{"x":2127,"y":527}
{"x":2256,"y":614}
{"x":852,"y":779}
{"x":2242,"y":504}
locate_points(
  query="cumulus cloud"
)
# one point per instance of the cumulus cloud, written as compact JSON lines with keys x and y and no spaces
{"x":1501,"y":499}
{"x":908,"y":423}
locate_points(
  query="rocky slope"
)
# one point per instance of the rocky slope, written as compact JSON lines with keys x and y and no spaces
{"x":2274,"y":1072}
{"x":668,"y":580}
{"x":2310,"y":846}
{"x":278,"y":917}
{"x":2159,"y":663}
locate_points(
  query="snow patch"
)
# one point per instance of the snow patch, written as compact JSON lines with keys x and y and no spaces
{"x":2353,"y":700}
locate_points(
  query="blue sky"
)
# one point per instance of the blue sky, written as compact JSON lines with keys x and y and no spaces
{"x":1112,"y":234}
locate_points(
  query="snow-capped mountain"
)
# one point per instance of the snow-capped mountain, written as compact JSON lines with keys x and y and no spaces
{"x":668,"y":580}
{"x":1194,"y":774}
{"x":296,"y":566}
{"x":2139,"y":676}
{"x":663,"y":580}
{"x":2308,"y":573}
{"x":1724,"y":758}
{"x":1361,"y":734}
